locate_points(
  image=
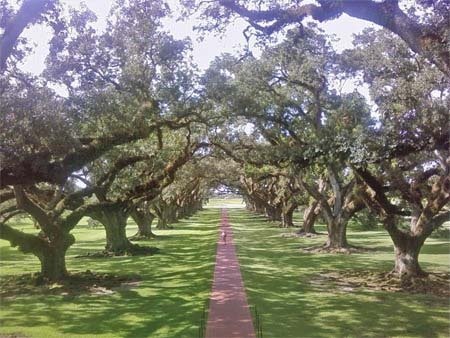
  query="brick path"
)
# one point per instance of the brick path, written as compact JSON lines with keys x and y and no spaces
{"x":229,"y":315}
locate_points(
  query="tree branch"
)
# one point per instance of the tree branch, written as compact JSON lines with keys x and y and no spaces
{"x":376,"y":194}
{"x":26,"y":172}
{"x":26,"y":242}
{"x":30,"y":11}
{"x":24,"y":203}
{"x":421,"y":39}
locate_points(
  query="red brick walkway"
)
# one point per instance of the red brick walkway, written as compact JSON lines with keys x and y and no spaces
{"x":229,"y":314}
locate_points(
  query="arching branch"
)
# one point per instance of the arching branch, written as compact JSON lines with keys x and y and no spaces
{"x":29,"y":12}
{"x":421,"y":38}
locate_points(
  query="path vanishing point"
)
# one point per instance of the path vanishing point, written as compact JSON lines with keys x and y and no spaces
{"x":229,"y":314}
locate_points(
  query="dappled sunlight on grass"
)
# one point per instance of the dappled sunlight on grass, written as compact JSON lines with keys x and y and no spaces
{"x":167,"y":302}
{"x":279,"y":280}
{"x":282,"y":281}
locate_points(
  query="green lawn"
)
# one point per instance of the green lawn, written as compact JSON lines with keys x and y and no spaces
{"x":168,"y":303}
{"x":229,"y":203}
{"x":278,"y":279}
{"x":176,"y":283}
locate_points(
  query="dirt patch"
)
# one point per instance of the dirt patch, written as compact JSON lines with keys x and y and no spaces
{"x":73,"y":285}
{"x":436,"y":284}
{"x":129,"y":285}
{"x":302,"y":234}
{"x":327,"y":250}
{"x":136,"y":238}
{"x":13,"y":335}
{"x":136,"y":250}
{"x":331,"y":280}
{"x":309,"y":234}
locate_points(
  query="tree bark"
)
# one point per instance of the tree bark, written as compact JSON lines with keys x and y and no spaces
{"x":166,"y":216}
{"x":116,"y":238}
{"x":259,"y":208}
{"x":309,"y":218}
{"x":144,"y":219}
{"x":50,"y":251}
{"x":189,"y":209}
{"x":407,"y":259}
{"x":337,"y":234}
{"x":273,"y":213}
{"x":424,"y":218}
{"x":287,"y":216}
{"x":406,"y":248}
{"x":114,"y":220}
{"x":337,"y":213}
{"x":53,"y":260}
{"x":255,"y":204}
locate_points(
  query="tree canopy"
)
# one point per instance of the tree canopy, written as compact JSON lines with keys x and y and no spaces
{"x":142,"y":132}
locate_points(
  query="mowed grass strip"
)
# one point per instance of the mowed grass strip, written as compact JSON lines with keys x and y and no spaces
{"x":168,"y":302}
{"x":293,"y":301}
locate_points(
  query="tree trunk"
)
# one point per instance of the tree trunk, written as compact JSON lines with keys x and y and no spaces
{"x":287,"y":216}
{"x":166,"y":216}
{"x":144,"y":220}
{"x":407,"y":248}
{"x":199,"y":205}
{"x":186,"y":211}
{"x":114,"y":219}
{"x":337,"y":234}
{"x":116,"y":237}
{"x":191,"y":208}
{"x":50,"y":251}
{"x":273,"y":213}
{"x":255,"y":205}
{"x":163,"y":224}
{"x":52,"y":256}
{"x":145,"y":227}
{"x":309,"y":218}
{"x":53,"y":263}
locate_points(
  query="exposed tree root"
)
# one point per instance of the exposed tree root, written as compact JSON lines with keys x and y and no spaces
{"x":301,"y":233}
{"x":165,"y":227}
{"x":138,"y":237}
{"x":282,"y":226}
{"x":436,"y":284}
{"x":349,"y":249}
{"x":134,"y":250}
{"x":75,"y":284}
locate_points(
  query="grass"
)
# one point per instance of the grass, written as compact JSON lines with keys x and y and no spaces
{"x":229,"y":203}
{"x":168,"y":302}
{"x":176,"y":283}
{"x":278,"y":278}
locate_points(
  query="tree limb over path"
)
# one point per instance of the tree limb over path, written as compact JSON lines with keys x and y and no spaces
{"x":39,"y":168}
{"x":427,"y":40}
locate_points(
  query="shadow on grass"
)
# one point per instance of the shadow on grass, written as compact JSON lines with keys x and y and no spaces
{"x":167,"y":303}
{"x":435,"y":248}
{"x":278,"y":278}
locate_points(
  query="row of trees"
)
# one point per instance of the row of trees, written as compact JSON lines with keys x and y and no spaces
{"x":111,"y":147}
{"x":327,"y":146}
{"x":140,"y":133}
{"x":390,"y":156}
